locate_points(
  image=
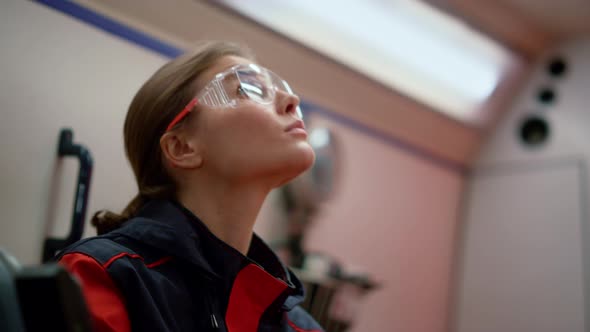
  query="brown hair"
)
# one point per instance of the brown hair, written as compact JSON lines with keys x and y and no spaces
{"x":154,"y":106}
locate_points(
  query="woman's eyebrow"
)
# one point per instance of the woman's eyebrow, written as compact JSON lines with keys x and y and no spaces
{"x":231,"y":79}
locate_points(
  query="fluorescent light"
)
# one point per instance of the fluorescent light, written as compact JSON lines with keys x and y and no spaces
{"x":404,"y":44}
{"x":319,"y":137}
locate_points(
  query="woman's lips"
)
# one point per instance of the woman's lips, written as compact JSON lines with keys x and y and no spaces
{"x":297,"y":127}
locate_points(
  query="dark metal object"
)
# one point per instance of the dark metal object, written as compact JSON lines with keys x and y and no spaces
{"x":67,"y":148}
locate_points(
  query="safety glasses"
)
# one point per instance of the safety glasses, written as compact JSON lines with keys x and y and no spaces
{"x":235,"y":85}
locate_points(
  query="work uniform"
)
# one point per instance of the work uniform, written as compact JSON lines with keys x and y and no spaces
{"x":163,"y":270}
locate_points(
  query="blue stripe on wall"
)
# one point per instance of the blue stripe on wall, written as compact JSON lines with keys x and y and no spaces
{"x":141,"y":39}
{"x":388,"y":139}
{"x":113,"y":27}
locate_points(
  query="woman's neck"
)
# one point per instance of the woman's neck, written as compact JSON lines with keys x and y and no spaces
{"x":229,"y":212}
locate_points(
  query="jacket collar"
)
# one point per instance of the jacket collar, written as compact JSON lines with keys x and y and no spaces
{"x":174,"y":230}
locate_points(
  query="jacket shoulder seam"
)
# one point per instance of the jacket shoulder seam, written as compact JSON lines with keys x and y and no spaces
{"x":299,"y":329}
{"x":118,"y":256}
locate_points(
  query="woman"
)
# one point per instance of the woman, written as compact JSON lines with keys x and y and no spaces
{"x":208,"y":136}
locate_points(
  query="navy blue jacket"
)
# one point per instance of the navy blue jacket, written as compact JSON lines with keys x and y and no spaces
{"x":173,"y":274}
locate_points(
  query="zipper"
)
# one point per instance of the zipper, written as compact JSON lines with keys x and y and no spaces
{"x":212,"y":317}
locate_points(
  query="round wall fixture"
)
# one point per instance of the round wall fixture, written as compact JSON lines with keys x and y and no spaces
{"x":557,"y":67}
{"x":546,"y":96}
{"x":534,"y":131}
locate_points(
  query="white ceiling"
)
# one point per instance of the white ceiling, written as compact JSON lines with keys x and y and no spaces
{"x":529,"y":27}
{"x":564,"y":18}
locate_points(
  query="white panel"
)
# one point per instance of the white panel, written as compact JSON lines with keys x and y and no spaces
{"x":57,"y":71}
{"x":522,"y":265}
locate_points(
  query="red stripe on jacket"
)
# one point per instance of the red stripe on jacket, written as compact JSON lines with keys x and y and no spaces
{"x":105,"y":303}
{"x":253,"y":291}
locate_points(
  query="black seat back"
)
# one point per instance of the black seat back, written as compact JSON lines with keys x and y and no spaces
{"x":10,"y":316}
{"x":40,"y":298}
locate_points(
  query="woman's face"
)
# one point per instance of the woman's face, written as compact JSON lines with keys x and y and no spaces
{"x":251,"y":140}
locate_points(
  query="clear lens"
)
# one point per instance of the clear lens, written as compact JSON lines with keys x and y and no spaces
{"x":244,"y":82}
{"x":256,"y":84}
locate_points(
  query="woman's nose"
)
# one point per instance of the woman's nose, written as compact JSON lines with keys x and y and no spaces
{"x":287,"y":102}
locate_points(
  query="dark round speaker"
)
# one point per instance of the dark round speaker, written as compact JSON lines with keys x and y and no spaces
{"x":546,"y":95}
{"x":534,"y":131}
{"x":557,"y":67}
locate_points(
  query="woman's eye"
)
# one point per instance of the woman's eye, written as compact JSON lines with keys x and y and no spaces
{"x":251,"y":90}
{"x":242,"y":92}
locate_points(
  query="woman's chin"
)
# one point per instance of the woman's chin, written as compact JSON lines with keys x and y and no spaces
{"x":306,"y":158}
{"x":298,"y":165}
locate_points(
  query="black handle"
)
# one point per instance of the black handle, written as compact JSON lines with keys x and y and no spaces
{"x":67,"y":148}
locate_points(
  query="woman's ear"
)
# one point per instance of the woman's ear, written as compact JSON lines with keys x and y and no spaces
{"x":180,"y":150}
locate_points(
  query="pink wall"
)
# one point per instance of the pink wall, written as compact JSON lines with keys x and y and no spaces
{"x":395,"y":216}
